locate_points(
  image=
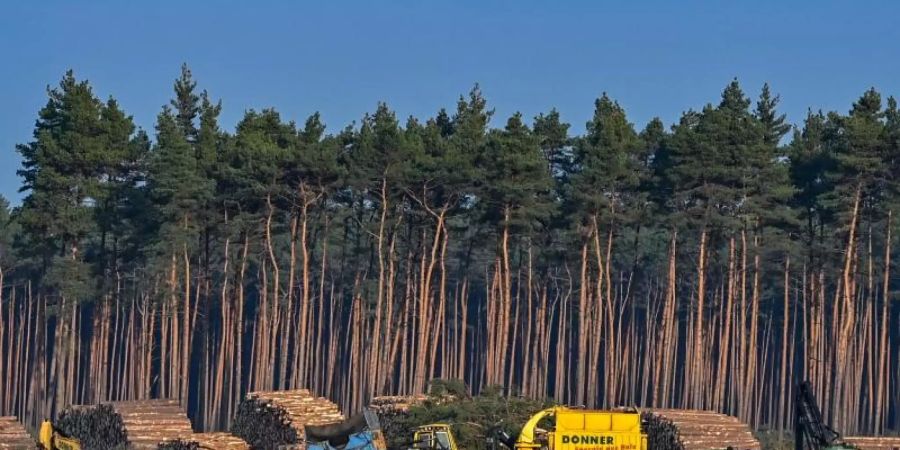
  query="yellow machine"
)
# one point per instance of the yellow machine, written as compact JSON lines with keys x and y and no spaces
{"x":577,"y":429}
{"x":437,"y":436}
{"x":50,"y":439}
{"x":571,"y":429}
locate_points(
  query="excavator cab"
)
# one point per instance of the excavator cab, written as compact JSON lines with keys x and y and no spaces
{"x":436,"y":436}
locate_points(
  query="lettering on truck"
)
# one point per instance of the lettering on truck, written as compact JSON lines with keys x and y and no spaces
{"x":615,"y":447}
{"x":587,"y":439}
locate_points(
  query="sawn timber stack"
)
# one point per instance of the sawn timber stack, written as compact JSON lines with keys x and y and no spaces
{"x":685,"y":429}
{"x":874,"y":442}
{"x":149,"y":422}
{"x":13,"y":435}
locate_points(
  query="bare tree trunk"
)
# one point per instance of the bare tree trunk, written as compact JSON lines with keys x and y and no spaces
{"x":698,"y":355}
{"x":782,"y":392}
{"x":847,"y":313}
{"x":881,"y":404}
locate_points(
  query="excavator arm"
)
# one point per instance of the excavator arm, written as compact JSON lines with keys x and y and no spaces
{"x":810,"y":430}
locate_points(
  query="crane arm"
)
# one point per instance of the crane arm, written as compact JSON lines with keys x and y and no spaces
{"x":526,"y":437}
{"x":810,"y":430}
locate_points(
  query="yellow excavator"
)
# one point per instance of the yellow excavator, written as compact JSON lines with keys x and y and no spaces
{"x":50,"y":439}
{"x":571,"y":429}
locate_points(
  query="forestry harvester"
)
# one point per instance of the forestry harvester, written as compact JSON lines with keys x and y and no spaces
{"x":810,"y":430}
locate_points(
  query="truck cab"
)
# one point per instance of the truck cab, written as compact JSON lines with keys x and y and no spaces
{"x":437,"y":436}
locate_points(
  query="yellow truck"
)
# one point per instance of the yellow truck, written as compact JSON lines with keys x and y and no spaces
{"x":578,"y":429}
{"x":566,"y":429}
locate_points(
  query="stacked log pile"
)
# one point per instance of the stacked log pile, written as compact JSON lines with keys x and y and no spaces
{"x":13,"y":435}
{"x":682,"y":429}
{"x":267,"y":420}
{"x":874,"y":442}
{"x":149,"y":422}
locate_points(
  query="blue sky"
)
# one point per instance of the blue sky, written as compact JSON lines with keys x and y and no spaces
{"x":657,"y":58}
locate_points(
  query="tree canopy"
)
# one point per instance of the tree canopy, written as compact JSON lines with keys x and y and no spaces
{"x":704,"y":264}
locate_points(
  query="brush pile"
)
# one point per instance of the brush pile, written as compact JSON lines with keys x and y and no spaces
{"x":874,"y":442}
{"x":149,"y":422}
{"x":96,"y":427}
{"x":393,"y":410}
{"x":13,"y":435}
{"x":683,"y":429}
{"x":267,"y":420}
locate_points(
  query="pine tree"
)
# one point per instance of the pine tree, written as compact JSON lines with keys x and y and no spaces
{"x":186,"y":105}
{"x":775,"y":124}
{"x":555,"y":144}
{"x":769,"y":187}
{"x":810,"y":161}
{"x":119,"y":200}
{"x":609,"y":164}
{"x":7,"y":234}
{"x":516,"y":180}
{"x":62,"y":172}
{"x":891,"y":153}
{"x":177,"y":187}
{"x":719,"y":158}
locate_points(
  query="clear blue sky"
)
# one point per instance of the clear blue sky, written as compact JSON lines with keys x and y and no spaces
{"x":656,"y":58}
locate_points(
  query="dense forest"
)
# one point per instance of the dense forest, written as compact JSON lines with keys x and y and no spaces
{"x":708,"y":264}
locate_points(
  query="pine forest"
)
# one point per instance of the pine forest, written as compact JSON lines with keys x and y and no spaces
{"x":712,"y":263}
